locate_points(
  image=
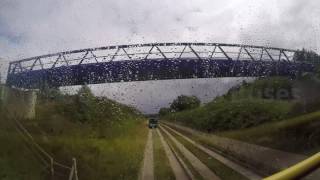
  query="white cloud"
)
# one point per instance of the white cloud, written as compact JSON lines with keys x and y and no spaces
{"x":33,"y":27}
{"x":50,"y":25}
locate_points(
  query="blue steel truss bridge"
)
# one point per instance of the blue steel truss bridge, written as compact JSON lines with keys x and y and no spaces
{"x":155,"y":61}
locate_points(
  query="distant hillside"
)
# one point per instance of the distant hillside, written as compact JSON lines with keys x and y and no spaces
{"x":251,"y":104}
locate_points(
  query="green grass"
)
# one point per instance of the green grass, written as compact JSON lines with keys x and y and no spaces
{"x":216,"y":166}
{"x":108,"y":143}
{"x":274,"y":127}
{"x":115,"y":157}
{"x":236,"y":114}
{"x":246,"y":113}
{"x":252,"y":104}
{"x":248,"y":105}
{"x":162,"y":167}
{"x":300,"y":134}
{"x":17,"y":161}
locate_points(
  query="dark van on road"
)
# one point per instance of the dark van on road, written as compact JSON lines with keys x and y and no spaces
{"x":153,"y":123}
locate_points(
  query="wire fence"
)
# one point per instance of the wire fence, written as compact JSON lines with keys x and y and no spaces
{"x":56,"y":170}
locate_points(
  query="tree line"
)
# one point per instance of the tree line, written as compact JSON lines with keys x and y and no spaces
{"x":307,"y":56}
{"x":181,"y":103}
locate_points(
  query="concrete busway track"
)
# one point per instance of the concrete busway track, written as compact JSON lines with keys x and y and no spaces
{"x":180,"y":163}
{"x":177,"y":165}
{"x":185,"y":163}
{"x":236,"y":167}
{"x":262,"y":160}
{"x":199,"y":166}
{"x":177,"y":168}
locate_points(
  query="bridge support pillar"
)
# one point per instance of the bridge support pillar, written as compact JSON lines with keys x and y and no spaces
{"x":18,"y":103}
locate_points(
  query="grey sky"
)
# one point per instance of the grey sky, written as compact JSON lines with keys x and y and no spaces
{"x":150,"y":96}
{"x":35,"y":27}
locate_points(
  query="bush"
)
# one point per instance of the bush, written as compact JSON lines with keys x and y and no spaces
{"x":49,"y":93}
{"x":237,"y":114}
{"x":306,"y":56}
{"x":243,"y":106}
{"x":86,"y":104}
{"x":185,"y":102}
{"x":164,"y":111}
{"x":276,"y":88}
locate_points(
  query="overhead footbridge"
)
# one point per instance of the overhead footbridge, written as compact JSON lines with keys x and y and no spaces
{"x":155,"y":61}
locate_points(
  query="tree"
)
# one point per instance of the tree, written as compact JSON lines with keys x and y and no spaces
{"x":85,"y":101}
{"x":47,"y":92}
{"x":306,"y":56}
{"x":184,"y":102}
{"x":85,"y":91}
{"x":164,"y":111}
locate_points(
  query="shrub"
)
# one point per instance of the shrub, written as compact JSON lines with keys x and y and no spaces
{"x":185,"y":102}
{"x":237,"y":114}
{"x":164,"y":111}
{"x":276,"y":88}
{"x":242,"y":107}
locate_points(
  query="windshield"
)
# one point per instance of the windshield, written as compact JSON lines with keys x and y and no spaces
{"x":153,"y":121}
{"x":184,"y":89}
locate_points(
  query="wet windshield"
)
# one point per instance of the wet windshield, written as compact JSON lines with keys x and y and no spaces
{"x":153,"y":121}
{"x":152,"y":89}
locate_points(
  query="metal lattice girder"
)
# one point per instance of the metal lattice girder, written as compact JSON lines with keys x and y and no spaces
{"x":143,"y":70}
{"x":163,"y":50}
{"x":156,"y":61}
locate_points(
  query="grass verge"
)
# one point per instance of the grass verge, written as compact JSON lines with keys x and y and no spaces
{"x":300,"y":134}
{"x":115,"y":157}
{"x":17,"y":161}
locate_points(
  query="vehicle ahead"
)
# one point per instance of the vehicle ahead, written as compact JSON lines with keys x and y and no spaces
{"x":153,"y":123}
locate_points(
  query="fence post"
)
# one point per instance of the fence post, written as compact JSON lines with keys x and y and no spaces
{"x":75,"y":168}
{"x":73,"y":172}
{"x":51,"y":168}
